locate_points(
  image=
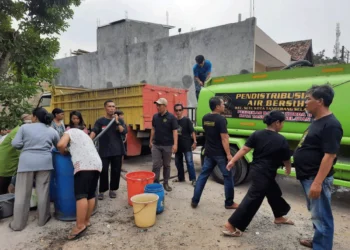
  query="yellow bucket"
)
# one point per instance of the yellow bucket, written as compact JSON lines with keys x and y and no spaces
{"x":145,"y":209}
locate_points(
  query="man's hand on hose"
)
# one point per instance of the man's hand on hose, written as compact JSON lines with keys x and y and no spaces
{"x":116,"y":118}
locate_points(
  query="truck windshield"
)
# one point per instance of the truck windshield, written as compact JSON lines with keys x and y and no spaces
{"x":45,"y":101}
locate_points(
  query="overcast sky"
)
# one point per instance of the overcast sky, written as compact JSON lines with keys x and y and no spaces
{"x":282,"y":20}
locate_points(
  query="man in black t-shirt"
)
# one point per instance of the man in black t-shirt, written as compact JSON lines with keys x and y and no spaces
{"x":163,"y":141}
{"x":217,"y":152}
{"x":186,"y":134}
{"x":314,"y":159}
{"x":111,"y":149}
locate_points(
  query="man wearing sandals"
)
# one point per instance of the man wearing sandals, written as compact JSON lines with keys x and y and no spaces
{"x":87,"y":167}
{"x":314,"y":159}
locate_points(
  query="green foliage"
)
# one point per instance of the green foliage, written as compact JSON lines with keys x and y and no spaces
{"x":28,"y":45}
{"x":320,"y":58}
{"x":14,"y":98}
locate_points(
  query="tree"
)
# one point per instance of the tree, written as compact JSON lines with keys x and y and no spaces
{"x":320,"y":58}
{"x":28,"y":45}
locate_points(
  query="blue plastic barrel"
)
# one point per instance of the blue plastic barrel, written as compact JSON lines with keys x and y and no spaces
{"x":64,"y":200}
{"x":156,"y":188}
{"x":63,"y":188}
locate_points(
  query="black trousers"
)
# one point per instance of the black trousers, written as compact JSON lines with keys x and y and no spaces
{"x":4,"y":184}
{"x":261,"y":187}
{"x":116,"y":165}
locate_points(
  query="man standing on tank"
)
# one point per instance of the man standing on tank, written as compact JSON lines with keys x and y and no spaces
{"x":314,"y":158}
{"x":217,"y":152}
{"x":201,"y":72}
{"x":163,"y":141}
{"x":111,"y":149}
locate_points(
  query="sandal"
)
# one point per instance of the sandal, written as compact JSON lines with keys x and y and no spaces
{"x":236,"y":233}
{"x":76,"y":236}
{"x":287,"y":222}
{"x":306,"y":243}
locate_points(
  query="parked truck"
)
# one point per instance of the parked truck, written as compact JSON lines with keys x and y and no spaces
{"x":249,"y":97}
{"x":137,"y":103}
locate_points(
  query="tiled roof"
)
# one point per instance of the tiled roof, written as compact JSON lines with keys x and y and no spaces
{"x":298,"y":49}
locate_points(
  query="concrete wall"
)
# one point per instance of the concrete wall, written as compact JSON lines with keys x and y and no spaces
{"x":259,"y":67}
{"x":271,"y":48}
{"x":167,"y":61}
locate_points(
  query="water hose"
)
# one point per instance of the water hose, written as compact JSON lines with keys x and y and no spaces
{"x":104,"y":131}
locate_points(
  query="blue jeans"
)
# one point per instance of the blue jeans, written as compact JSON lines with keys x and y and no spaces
{"x":208,"y":167}
{"x":321,"y":214}
{"x":179,"y":163}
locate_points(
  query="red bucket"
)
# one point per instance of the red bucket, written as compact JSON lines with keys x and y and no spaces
{"x":136,"y":182}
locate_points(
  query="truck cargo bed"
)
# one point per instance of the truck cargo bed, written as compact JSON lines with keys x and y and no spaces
{"x":136,"y":101}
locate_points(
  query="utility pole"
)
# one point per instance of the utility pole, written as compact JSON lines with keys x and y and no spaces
{"x":342,"y":54}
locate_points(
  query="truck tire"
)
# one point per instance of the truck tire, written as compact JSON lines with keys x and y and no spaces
{"x":241,"y":169}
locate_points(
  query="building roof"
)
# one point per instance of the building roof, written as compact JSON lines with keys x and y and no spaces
{"x":298,"y":49}
{"x":127,"y":20}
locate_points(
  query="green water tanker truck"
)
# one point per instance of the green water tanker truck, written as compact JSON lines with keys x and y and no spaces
{"x":249,"y":97}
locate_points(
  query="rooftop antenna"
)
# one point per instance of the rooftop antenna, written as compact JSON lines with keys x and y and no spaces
{"x":239,"y":17}
{"x":167,"y":18}
{"x":126,"y":14}
{"x":252,"y":8}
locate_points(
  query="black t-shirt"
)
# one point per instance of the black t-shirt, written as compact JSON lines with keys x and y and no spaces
{"x":185,"y":131}
{"x":322,"y":136}
{"x":270,"y":151}
{"x":164,"y":125}
{"x":214,"y":125}
{"x":110,"y":143}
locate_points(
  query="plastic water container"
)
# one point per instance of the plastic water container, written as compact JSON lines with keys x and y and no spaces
{"x":145,"y":208}
{"x":65,"y":203}
{"x":136,"y":182}
{"x":157,"y":189}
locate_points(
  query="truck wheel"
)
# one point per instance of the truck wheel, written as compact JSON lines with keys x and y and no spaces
{"x":241,"y":169}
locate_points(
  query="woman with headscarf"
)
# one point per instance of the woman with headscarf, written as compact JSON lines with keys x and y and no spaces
{"x":35,"y":162}
{"x":57,"y":123}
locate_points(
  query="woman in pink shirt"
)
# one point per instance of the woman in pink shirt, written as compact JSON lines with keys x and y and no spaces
{"x":76,"y":121}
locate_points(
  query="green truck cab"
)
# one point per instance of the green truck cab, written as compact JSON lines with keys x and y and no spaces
{"x":249,"y":97}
